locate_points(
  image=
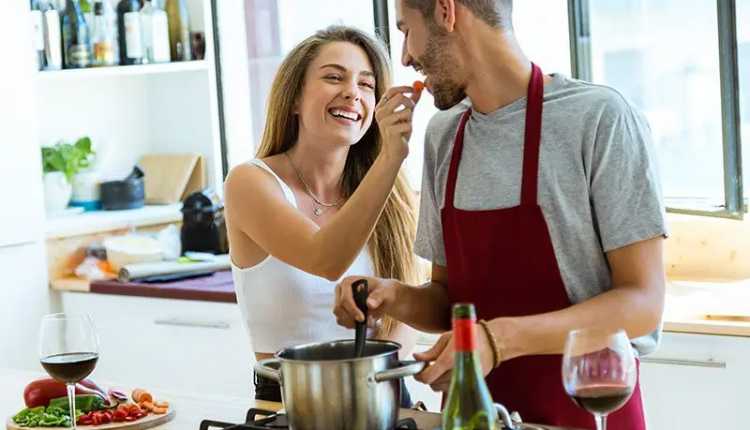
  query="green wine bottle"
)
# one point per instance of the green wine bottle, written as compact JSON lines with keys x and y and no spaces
{"x":469,"y":405}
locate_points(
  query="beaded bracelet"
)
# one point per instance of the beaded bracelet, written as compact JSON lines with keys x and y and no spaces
{"x":497,"y":354}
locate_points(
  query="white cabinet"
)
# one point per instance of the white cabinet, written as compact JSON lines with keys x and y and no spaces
{"x":20,"y":175}
{"x":695,"y":382}
{"x":192,"y":347}
{"x":24,"y":298}
{"x":23,"y":291}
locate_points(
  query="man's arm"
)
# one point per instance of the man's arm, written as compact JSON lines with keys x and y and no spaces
{"x":635,"y":304}
{"x":425,"y":307}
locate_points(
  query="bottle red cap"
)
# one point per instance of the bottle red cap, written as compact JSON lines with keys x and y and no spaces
{"x":464,"y":335}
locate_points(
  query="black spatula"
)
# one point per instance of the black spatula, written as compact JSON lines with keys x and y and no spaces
{"x":360,"y":291}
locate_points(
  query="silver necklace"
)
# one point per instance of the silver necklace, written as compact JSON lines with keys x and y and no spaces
{"x":317,"y":210}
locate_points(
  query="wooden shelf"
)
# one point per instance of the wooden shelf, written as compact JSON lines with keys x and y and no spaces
{"x":116,"y":71}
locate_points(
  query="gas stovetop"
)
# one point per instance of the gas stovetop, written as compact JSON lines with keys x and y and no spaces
{"x":259,"y":419}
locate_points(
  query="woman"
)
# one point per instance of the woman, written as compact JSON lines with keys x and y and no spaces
{"x":325,"y":196}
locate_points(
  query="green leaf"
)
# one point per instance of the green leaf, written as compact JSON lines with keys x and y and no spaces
{"x":67,"y":158}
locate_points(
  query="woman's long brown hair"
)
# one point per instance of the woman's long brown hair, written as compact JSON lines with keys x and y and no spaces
{"x":391,"y":244}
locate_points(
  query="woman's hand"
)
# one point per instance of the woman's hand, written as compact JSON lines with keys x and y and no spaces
{"x":393,"y":114}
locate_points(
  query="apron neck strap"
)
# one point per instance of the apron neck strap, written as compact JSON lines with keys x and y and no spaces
{"x":532,"y":138}
{"x":458,"y":145}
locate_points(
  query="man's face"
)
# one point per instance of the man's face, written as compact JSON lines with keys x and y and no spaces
{"x":430,"y":50}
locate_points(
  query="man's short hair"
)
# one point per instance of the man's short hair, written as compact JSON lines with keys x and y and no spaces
{"x":496,"y":13}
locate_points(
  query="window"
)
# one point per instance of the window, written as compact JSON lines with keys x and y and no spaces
{"x":673,"y":59}
{"x":743,"y":60}
{"x":542,"y":28}
{"x":670,"y":71}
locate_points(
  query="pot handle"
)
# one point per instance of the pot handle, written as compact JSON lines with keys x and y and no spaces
{"x":406,"y":368}
{"x":510,"y":421}
{"x":263,"y":369}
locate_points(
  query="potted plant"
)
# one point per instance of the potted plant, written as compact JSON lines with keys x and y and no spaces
{"x":60,"y":164}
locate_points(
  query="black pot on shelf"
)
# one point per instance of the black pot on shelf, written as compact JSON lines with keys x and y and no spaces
{"x":203,"y":225}
{"x":128,"y":193}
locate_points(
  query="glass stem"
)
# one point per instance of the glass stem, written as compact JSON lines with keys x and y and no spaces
{"x":72,"y":404}
{"x":601,"y":421}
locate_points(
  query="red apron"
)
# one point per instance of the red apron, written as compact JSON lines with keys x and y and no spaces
{"x":502,"y":261}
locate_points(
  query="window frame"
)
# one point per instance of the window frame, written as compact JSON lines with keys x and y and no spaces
{"x":580,"y":59}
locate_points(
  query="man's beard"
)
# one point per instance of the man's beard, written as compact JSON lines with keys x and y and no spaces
{"x":438,"y":64}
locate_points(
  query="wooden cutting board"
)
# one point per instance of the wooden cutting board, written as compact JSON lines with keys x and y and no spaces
{"x":147,"y":422}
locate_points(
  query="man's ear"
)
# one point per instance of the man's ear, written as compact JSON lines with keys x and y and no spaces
{"x":445,"y":14}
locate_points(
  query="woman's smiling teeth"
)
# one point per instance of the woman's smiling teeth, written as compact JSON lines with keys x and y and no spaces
{"x":340,"y":113}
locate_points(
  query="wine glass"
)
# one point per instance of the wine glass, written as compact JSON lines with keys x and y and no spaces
{"x":599,"y":371}
{"x":68,"y":351}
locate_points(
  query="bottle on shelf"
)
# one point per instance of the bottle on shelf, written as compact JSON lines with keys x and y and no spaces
{"x":37,"y":28}
{"x":179,"y":30}
{"x":103,"y":36}
{"x":110,"y":15}
{"x":53,"y":50}
{"x":130,"y":32}
{"x":469,"y":405}
{"x":76,"y":40}
{"x":155,"y":32}
{"x":88,"y":13}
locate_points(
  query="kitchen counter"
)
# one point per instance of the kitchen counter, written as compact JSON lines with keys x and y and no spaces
{"x":217,"y":287}
{"x":214,"y":288}
{"x":190,"y":410}
{"x":689,"y":303}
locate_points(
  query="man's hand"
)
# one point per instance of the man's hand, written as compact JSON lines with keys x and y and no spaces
{"x":382,"y":295}
{"x":438,"y":374}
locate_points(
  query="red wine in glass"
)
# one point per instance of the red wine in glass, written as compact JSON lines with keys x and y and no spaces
{"x":599,"y":371}
{"x":602,"y":399}
{"x":70,"y":367}
{"x":68,"y":351}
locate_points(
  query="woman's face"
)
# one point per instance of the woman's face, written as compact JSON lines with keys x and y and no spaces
{"x":338,"y":96}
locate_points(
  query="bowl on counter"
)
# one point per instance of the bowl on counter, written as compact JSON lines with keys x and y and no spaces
{"x":130,"y":249}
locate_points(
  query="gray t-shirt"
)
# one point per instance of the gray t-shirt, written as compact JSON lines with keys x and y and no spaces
{"x":598,"y":181}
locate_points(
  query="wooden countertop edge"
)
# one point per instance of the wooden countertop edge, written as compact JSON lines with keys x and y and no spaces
{"x":72,"y":283}
{"x":718,"y":328}
{"x":77,"y":285}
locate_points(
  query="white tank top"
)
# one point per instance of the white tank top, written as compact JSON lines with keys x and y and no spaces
{"x":283,"y":306}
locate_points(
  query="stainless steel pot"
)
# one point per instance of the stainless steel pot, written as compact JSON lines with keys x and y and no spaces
{"x":324,"y":387}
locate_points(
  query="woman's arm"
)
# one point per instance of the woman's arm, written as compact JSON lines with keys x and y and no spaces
{"x":256,"y":206}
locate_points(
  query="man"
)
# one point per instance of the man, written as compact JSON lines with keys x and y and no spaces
{"x":540,"y":203}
